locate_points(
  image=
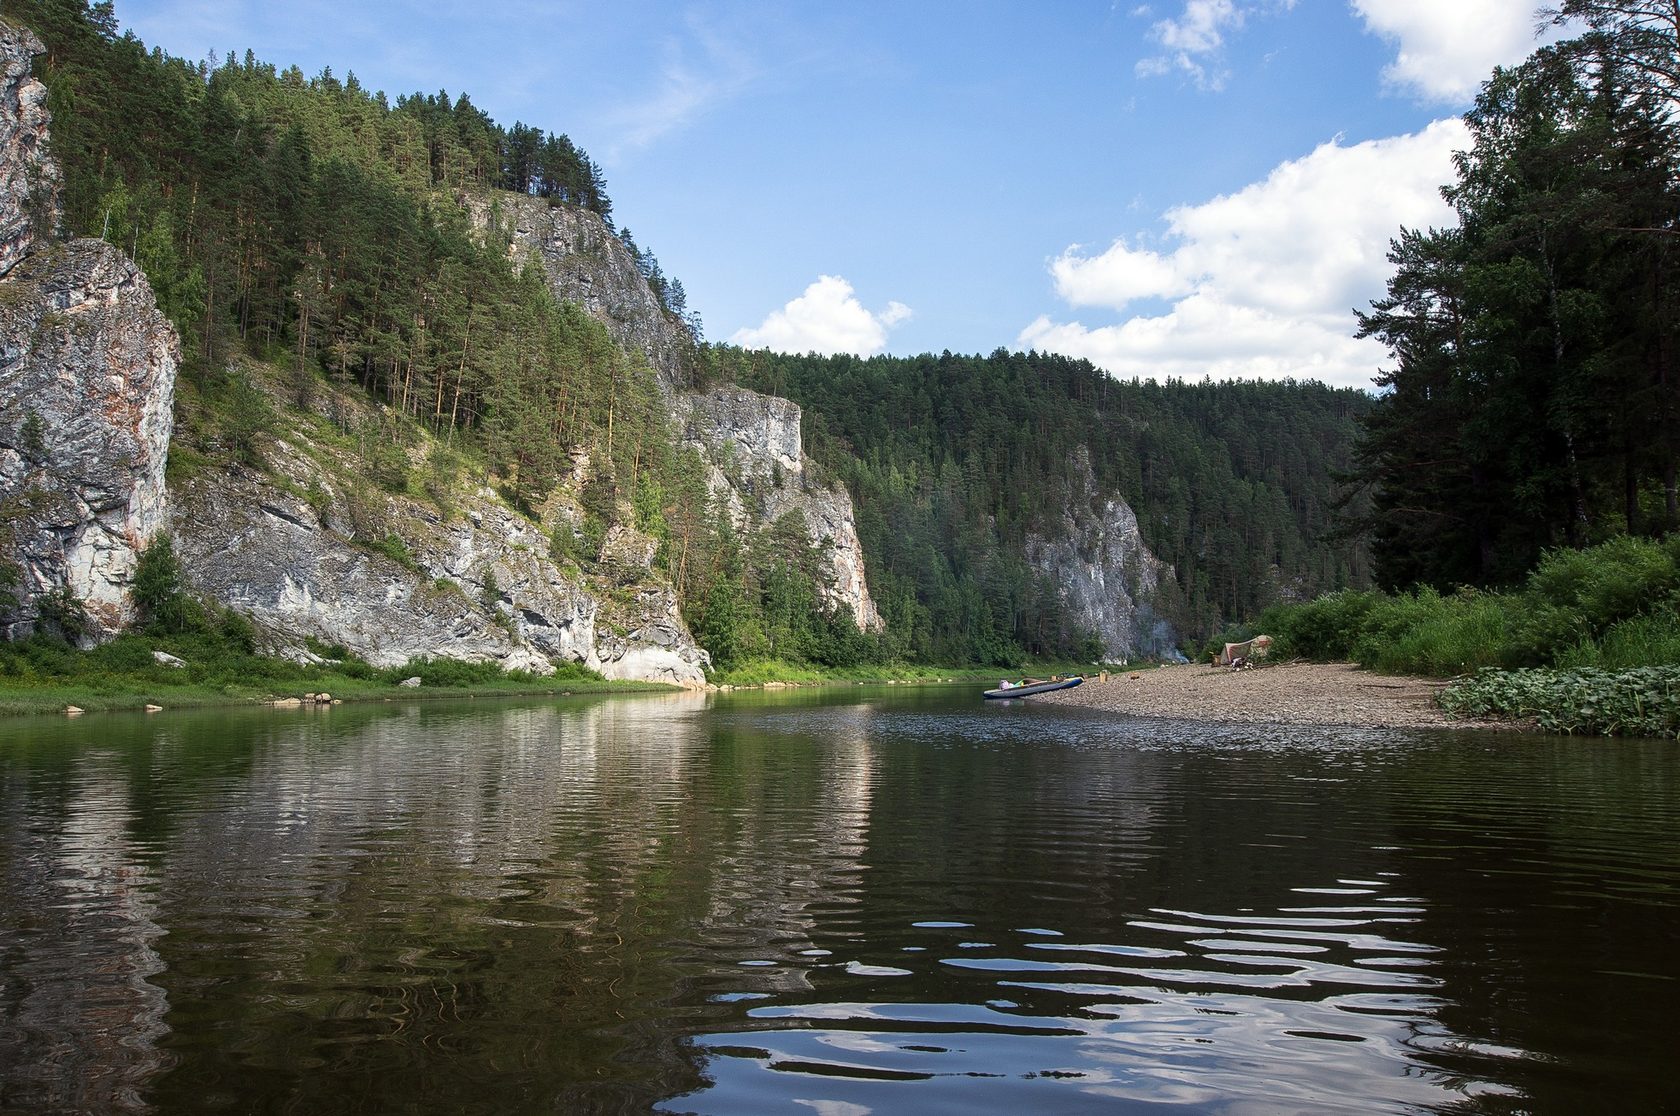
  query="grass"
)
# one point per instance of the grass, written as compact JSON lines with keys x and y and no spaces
{"x":44,"y":676}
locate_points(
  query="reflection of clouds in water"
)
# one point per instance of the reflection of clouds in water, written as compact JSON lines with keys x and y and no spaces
{"x":1310,"y":994}
{"x":835,"y":1108}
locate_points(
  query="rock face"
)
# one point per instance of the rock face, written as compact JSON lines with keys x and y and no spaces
{"x":752,"y":447}
{"x":28,"y":179}
{"x":1106,"y":576}
{"x":87,"y":382}
{"x":479,"y":586}
{"x":750,"y":442}
{"x":589,"y":265}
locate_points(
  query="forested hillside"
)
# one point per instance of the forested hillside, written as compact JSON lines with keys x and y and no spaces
{"x":308,"y":231}
{"x":955,"y":460}
{"x":308,"y":236}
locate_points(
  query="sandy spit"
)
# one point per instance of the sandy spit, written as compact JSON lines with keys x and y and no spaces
{"x":1286,"y":693}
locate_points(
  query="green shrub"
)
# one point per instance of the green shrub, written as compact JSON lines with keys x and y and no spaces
{"x":392,"y":547}
{"x":1427,"y":633}
{"x":1615,"y":605}
{"x":156,"y":589}
{"x":451,"y":672}
{"x":1326,"y":628}
{"x":1640,"y":702}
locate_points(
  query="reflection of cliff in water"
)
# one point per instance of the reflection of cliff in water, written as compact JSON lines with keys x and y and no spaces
{"x":349,"y":891}
{"x":81,"y":879}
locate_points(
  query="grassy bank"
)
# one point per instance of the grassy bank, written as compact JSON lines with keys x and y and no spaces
{"x":45,"y":675}
{"x":1590,"y":643}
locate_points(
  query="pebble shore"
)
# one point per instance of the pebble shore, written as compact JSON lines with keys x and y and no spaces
{"x":1286,"y":693}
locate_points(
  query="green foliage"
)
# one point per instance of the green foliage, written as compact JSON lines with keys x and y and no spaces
{"x":459,"y":674}
{"x":157,"y":591}
{"x":1644,"y":701}
{"x":245,"y":416}
{"x":32,"y":436}
{"x":10,"y":576}
{"x":63,"y":617}
{"x":1533,"y":403}
{"x":1614,"y":605}
{"x":955,"y":461}
{"x":44,"y":673}
{"x":386,"y":464}
{"x":393,"y":547}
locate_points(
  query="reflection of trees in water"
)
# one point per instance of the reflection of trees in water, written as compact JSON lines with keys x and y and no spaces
{"x":80,"y":1018}
{"x":1551,"y":892}
{"x":505,"y":906}
{"x":533,"y":889}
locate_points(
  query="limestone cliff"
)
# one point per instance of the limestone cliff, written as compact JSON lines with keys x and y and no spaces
{"x":750,"y":442}
{"x":314,"y":555}
{"x":306,"y":547}
{"x":28,"y":178}
{"x":589,"y":265}
{"x":758,"y":474}
{"x":87,"y":376}
{"x":1108,"y":580}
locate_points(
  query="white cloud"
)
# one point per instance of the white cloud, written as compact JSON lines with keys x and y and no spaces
{"x":1201,"y":27}
{"x":827,"y":319}
{"x":1447,"y":48}
{"x":1262,"y":282}
{"x":700,"y":70}
{"x":1194,"y":41}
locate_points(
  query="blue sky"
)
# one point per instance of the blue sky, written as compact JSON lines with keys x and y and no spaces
{"x":1183,"y":188}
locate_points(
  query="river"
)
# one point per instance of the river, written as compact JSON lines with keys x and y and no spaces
{"x":840,"y":901}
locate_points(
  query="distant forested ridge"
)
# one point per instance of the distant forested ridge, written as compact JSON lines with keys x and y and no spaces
{"x":955,"y":460}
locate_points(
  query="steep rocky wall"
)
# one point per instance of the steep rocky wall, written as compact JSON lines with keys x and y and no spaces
{"x":87,"y":381}
{"x":1107,"y":578}
{"x":28,"y":179}
{"x":478,"y":585}
{"x":750,"y":442}
{"x":752,"y":446}
{"x":589,"y":265}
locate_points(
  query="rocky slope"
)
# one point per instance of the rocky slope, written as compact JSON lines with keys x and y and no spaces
{"x":750,"y":442}
{"x":758,"y":473}
{"x":87,"y":375}
{"x":1107,"y":577}
{"x":318,"y":558}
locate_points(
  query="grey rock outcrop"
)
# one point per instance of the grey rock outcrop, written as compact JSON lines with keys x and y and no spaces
{"x":28,"y":178}
{"x":87,"y":381}
{"x":758,"y":473}
{"x":588,"y":264}
{"x":479,"y":586}
{"x":1105,"y":574}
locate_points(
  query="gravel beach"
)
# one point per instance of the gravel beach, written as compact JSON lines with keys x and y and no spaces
{"x":1287,"y":693}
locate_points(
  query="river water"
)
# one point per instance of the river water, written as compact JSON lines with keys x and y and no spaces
{"x":837,"y":902}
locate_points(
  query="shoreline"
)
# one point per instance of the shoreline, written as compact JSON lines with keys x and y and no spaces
{"x":1293,"y":693}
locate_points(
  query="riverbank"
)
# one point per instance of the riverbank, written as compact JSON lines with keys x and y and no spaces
{"x":1285,"y":693}
{"x":127,"y":697}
